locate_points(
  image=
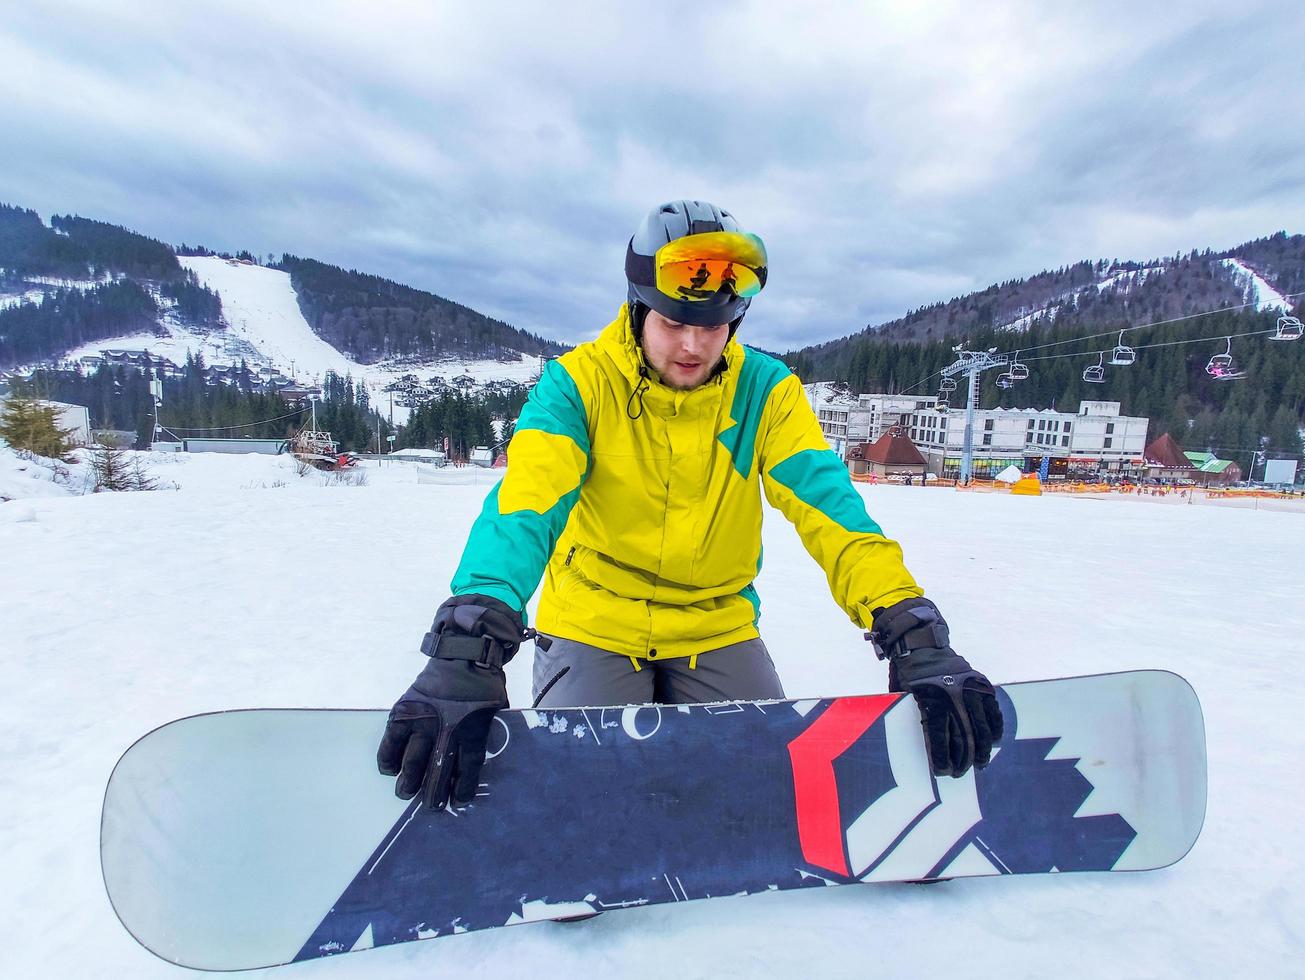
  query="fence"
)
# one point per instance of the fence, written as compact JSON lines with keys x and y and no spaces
{"x":1186,"y":494}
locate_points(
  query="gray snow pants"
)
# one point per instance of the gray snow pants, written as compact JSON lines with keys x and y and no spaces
{"x":568,"y":674}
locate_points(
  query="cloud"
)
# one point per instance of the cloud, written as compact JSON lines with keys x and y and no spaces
{"x":891,"y":155}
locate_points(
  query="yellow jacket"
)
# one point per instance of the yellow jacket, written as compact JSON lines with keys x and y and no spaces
{"x":640,"y":506}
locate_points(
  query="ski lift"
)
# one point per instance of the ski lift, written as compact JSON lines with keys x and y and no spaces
{"x":1289,"y":328}
{"x":948,"y":385}
{"x":1018,"y":371}
{"x":942,"y":407}
{"x":1123,"y":355}
{"x":1006,"y":380}
{"x":1096,"y":373}
{"x":1222,"y":367}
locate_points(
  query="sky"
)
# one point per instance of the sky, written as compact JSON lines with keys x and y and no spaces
{"x":891,"y":155}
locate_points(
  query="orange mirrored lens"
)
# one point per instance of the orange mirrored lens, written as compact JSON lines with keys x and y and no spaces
{"x":698,"y":266}
{"x":699,"y":279}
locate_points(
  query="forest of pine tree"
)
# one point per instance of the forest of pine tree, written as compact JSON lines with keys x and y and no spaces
{"x":463,"y":420}
{"x":370,"y":318}
{"x":67,"y":318}
{"x":75,"y":248}
{"x":79,"y":248}
{"x":118,"y":397}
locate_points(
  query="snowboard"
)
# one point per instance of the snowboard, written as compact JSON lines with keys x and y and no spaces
{"x":254,"y":838}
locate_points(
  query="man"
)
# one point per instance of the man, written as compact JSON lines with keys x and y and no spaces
{"x":634,"y":490}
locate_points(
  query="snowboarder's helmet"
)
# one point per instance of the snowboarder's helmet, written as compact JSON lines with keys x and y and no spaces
{"x":712,"y":282}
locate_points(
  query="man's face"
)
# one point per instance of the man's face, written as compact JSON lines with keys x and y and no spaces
{"x":682,"y":355}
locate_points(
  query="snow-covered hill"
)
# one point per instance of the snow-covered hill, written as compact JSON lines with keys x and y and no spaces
{"x":249,"y":587}
{"x":1258,"y":291}
{"x":262,"y":311}
{"x":1261,"y":293}
{"x":265,"y":327}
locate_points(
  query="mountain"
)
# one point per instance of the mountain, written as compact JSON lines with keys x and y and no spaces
{"x":1265,"y":276}
{"x":1099,"y":293}
{"x":371,"y":318}
{"x":1064,"y":321}
{"x":76,"y":286}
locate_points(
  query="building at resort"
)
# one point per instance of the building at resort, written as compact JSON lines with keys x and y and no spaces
{"x":1094,"y":442}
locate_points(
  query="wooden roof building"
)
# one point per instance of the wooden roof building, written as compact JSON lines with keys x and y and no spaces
{"x":892,"y":455}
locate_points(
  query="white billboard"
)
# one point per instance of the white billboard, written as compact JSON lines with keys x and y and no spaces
{"x":1280,"y":471}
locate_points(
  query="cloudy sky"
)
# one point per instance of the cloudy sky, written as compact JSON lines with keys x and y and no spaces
{"x":501,"y":154}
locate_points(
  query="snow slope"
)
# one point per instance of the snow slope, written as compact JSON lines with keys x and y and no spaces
{"x":1263,"y":295}
{"x":261,"y":308}
{"x":119,"y":612}
{"x":267,"y":329}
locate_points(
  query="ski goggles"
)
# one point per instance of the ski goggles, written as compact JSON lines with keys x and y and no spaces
{"x":697,"y":267}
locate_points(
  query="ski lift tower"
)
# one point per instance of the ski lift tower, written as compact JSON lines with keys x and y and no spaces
{"x":973,"y":364}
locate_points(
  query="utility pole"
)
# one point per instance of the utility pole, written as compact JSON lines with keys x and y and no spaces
{"x":156,"y":386}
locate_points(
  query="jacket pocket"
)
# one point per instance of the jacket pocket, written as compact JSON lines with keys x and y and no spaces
{"x":571,"y":572}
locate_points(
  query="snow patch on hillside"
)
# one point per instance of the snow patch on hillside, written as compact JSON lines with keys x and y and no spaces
{"x":37,"y":287}
{"x":1128,"y":278}
{"x":1262,"y":294}
{"x":1120,"y":281}
{"x":1021,"y":324}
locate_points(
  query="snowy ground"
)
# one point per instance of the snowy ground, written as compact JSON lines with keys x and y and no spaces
{"x":253,"y":587}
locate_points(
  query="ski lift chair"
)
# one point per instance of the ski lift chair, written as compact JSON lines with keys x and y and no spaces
{"x":1222,"y":367}
{"x":1018,"y":371}
{"x":1289,"y":328}
{"x":948,"y":385}
{"x":1006,"y":380}
{"x":942,"y":407}
{"x":1123,"y":355}
{"x":1096,"y":373}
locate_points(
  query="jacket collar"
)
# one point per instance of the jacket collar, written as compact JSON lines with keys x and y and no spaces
{"x":618,"y":344}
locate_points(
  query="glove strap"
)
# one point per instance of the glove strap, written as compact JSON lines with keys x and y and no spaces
{"x":484,"y":650}
{"x":915,"y":627}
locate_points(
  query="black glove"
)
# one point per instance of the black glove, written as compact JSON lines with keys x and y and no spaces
{"x":437,"y":732}
{"x":958,"y":707}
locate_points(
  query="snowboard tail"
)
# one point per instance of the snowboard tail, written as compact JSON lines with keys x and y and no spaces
{"x":253,"y":838}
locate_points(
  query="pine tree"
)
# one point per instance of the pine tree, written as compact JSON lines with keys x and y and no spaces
{"x":32,"y":427}
{"x":111,"y":469}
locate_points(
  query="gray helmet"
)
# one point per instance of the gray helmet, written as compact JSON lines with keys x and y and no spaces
{"x":666,"y":223}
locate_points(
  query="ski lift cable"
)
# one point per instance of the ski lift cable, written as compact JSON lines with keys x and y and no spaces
{"x":1155,"y":323}
{"x":246,"y":425}
{"x":1111,"y":333}
{"x":1139,"y":347}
